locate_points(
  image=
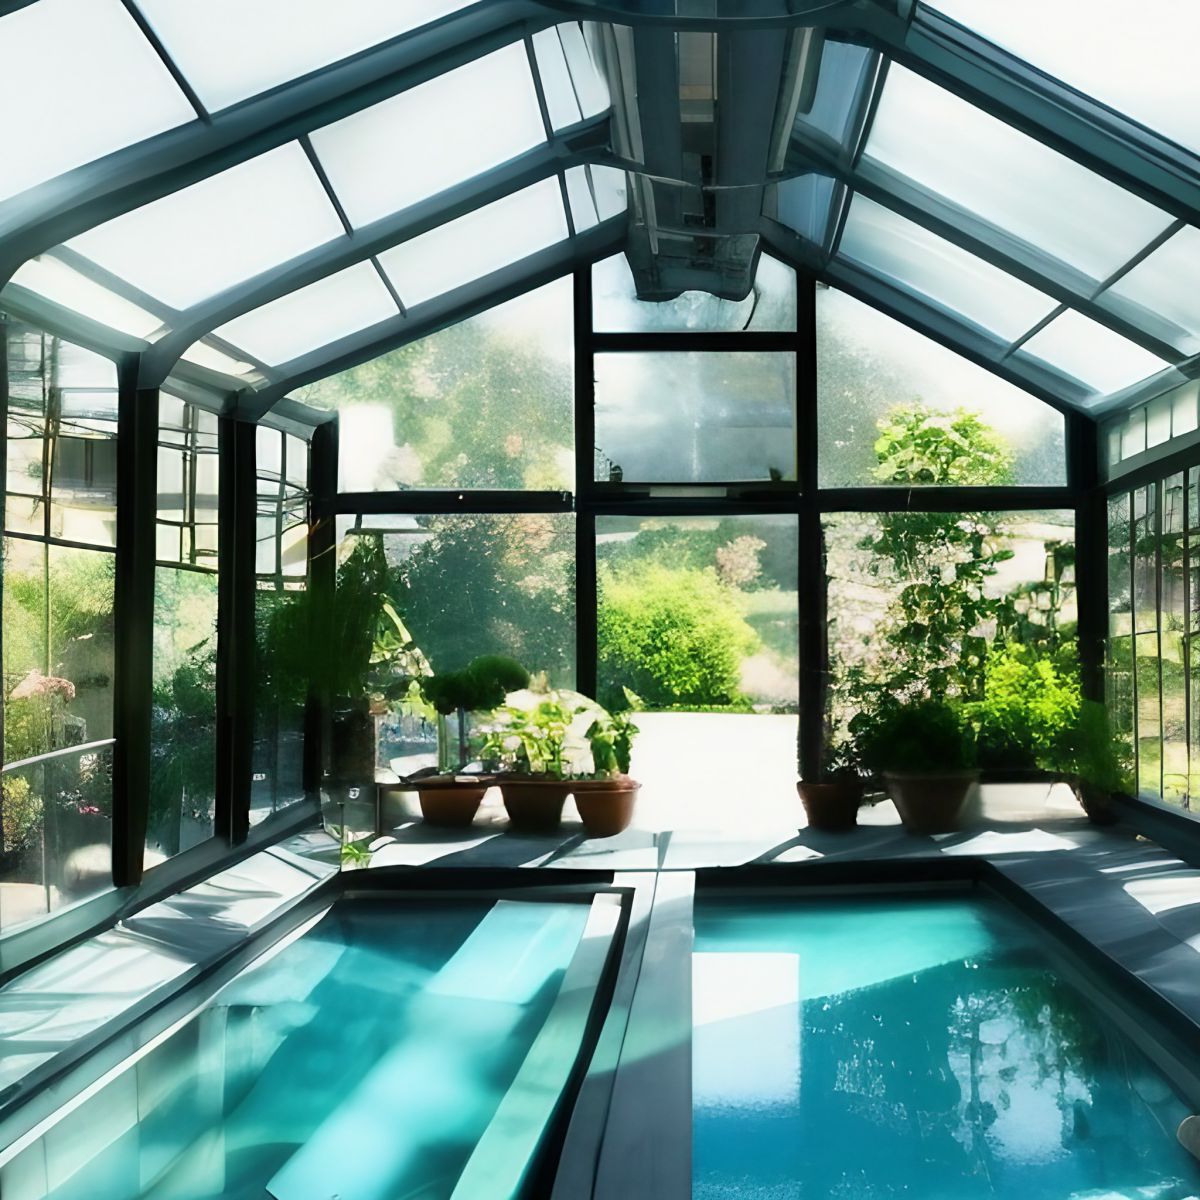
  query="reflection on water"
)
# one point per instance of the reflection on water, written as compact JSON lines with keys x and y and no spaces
{"x":918,"y":1048}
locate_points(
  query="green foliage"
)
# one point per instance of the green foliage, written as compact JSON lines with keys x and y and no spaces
{"x":482,"y":582}
{"x":482,"y":684}
{"x":919,"y":447}
{"x":1092,"y":750}
{"x":558,"y":735}
{"x":923,"y":735}
{"x":1029,"y":702}
{"x":676,"y":635}
{"x":22,"y":816}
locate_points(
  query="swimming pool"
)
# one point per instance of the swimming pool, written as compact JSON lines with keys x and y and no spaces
{"x":388,"y":1051}
{"x":914,"y":1046}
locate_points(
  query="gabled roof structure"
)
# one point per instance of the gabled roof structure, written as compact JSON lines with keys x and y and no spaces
{"x":251,"y":197}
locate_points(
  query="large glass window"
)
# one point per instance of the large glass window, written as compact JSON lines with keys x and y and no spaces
{"x":281,"y":672}
{"x":486,"y":403}
{"x":882,"y":386}
{"x":183,"y":737}
{"x":1153,"y":595}
{"x":695,"y":416}
{"x":58,"y":577}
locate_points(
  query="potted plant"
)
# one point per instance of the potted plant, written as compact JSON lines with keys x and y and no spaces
{"x":449,"y":798}
{"x":605,"y":799}
{"x":924,"y":750}
{"x":546,"y":745}
{"x":832,"y":800}
{"x":1093,"y":756}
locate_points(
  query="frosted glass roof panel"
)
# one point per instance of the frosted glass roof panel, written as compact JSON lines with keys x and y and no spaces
{"x":803,"y":204}
{"x":77,"y":81}
{"x":1140,"y":61}
{"x":312,"y":316}
{"x":839,"y":81}
{"x":590,"y":85}
{"x":1165,"y":283}
{"x":581,"y":200}
{"x":216,"y":360}
{"x":1092,"y":353}
{"x":1008,"y":179}
{"x":905,"y":253}
{"x":231,"y":49}
{"x":227,"y":228}
{"x":477,"y":244}
{"x":433,"y":136}
{"x":562,"y":104}
{"x":57,"y":282}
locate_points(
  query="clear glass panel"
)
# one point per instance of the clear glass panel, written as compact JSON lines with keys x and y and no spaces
{"x":1143,"y":67}
{"x":477,"y":244}
{"x":770,"y":305}
{"x":695,"y":417}
{"x":229,"y":49}
{"x":313,"y":316}
{"x":1004,"y":177}
{"x":227,"y":228}
{"x":872,"y":371}
{"x":1173,"y":626}
{"x":80,"y":81}
{"x":843,"y":73}
{"x":1118,"y":685}
{"x":1160,"y":289}
{"x":699,"y":612}
{"x":419,"y":143}
{"x":485,"y":403}
{"x":466,"y":585}
{"x":1092,"y":353}
{"x":183,"y":733}
{"x":804,"y":205}
{"x":900,"y":584}
{"x":55,"y":281}
{"x":904,"y":253}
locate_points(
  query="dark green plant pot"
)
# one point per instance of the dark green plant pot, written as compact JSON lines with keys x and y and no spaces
{"x":932,"y":802}
{"x":535,"y":805}
{"x":831,"y":806}
{"x":1097,"y":803}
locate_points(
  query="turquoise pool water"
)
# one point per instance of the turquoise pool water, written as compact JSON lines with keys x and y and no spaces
{"x":923,"y":1047}
{"x":363,"y":1060}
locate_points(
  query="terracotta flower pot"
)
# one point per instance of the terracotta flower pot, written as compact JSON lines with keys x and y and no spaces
{"x":605,"y":805}
{"x":930,"y":803}
{"x":449,"y":801}
{"x":535,"y":805}
{"x":831,"y":806}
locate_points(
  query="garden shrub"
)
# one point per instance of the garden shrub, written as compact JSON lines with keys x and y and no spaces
{"x":673,"y":635}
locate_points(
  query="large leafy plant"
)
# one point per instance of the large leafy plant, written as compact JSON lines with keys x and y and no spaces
{"x":917,"y":736}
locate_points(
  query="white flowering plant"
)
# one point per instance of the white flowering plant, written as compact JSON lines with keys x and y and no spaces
{"x":555,"y":734}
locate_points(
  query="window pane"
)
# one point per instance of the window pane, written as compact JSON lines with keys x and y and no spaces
{"x":477,"y":244}
{"x":770,"y":305}
{"x":466,"y":585}
{"x":805,"y":205}
{"x":698,"y":612}
{"x":695,"y":417}
{"x":1143,"y":68}
{"x":898,"y":582}
{"x":872,"y":371}
{"x":843,"y":74}
{"x":904,"y":253}
{"x":486,"y":403}
{"x":1092,"y":353}
{"x":57,"y":282}
{"x":229,"y":49}
{"x":1159,"y":289}
{"x":1001,"y":175}
{"x":196,"y":242}
{"x":595,"y":194}
{"x":313,"y":316}
{"x":84,"y":81}
{"x":414,"y":145}
{"x":183,"y":734}
{"x":1118,"y":676}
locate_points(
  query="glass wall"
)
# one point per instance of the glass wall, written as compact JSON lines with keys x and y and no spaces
{"x":281,"y":670}
{"x":184,"y":732}
{"x":879,"y":381}
{"x":1153,"y":595}
{"x":58,"y":572}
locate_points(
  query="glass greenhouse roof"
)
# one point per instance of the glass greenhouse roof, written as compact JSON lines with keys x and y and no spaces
{"x":248,"y":186}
